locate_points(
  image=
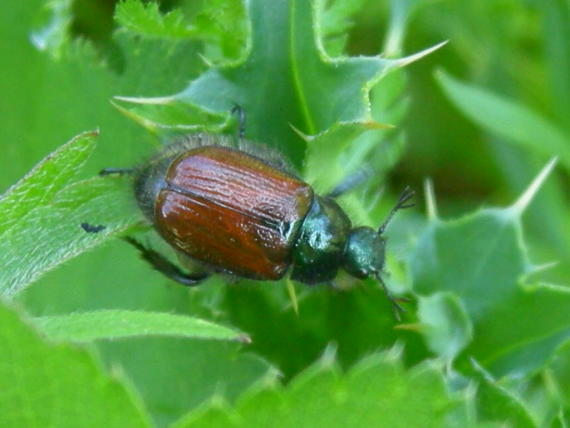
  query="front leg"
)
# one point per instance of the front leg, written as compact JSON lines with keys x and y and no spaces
{"x":166,"y":267}
{"x":350,"y":182}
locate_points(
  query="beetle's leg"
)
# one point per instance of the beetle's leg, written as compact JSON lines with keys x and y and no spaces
{"x":240,"y":113}
{"x":395,"y":301}
{"x":91,"y":228}
{"x":167,"y":268}
{"x":403,"y":202}
{"x":116,"y":171}
{"x":350,"y":182}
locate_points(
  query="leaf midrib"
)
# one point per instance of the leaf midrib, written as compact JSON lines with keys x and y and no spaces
{"x":297,"y":82}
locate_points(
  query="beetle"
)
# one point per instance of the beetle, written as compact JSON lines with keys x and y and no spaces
{"x":237,"y":208}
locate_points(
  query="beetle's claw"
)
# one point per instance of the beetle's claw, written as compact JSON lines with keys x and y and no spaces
{"x":405,"y":196}
{"x":397,"y":309}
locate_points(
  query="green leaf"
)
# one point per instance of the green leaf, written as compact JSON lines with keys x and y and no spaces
{"x":336,"y":16}
{"x":220,"y":24}
{"x":174,"y":376}
{"x":224,"y":27}
{"x":336,"y":21}
{"x":51,"y":100}
{"x":42,"y":198}
{"x":511,"y":329}
{"x":482,"y":259}
{"x":539,"y":393}
{"x":497,"y":403}
{"x":445,"y":324}
{"x":118,"y":324}
{"x":378,"y":391}
{"x":557,"y":48}
{"x":507,"y":119}
{"x":400,"y":13}
{"x":560,"y":369}
{"x":324,"y":166}
{"x":41,"y":184}
{"x":50,"y":385}
{"x":146,"y":19}
{"x":486,"y":269}
{"x":294,"y":341}
{"x":523,"y":127}
{"x":285,"y":60}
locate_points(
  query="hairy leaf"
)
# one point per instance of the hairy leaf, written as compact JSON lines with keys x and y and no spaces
{"x":41,"y":215}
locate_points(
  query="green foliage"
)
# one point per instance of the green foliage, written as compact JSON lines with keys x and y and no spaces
{"x":50,"y":384}
{"x":485,"y":339}
{"x":374,"y":392}
{"x":220,"y":25}
{"x":489,"y":277}
{"x":146,"y":19}
{"x":445,"y":324}
{"x":496,"y":402}
{"x":45,"y":197}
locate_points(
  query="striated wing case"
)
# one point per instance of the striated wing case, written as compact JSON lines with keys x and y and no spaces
{"x":232,"y":211}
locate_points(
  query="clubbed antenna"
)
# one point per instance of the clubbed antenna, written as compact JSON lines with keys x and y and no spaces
{"x":403,"y":202}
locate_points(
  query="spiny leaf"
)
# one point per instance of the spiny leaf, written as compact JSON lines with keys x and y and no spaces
{"x":220,"y":24}
{"x":482,"y":259}
{"x":285,"y":62}
{"x":175,"y":376}
{"x":376,"y":392}
{"x":146,"y":19}
{"x":497,"y":403}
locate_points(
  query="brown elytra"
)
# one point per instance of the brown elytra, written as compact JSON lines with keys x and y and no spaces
{"x":232,"y":211}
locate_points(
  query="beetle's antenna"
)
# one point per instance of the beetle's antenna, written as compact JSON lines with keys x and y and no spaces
{"x":402,"y":203}
{"x":397,"y":309}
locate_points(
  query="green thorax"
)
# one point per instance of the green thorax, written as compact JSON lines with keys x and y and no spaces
{"x":319,"y":250}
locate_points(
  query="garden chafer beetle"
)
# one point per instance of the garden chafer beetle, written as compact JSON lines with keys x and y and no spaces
{"x":236,"y":208}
